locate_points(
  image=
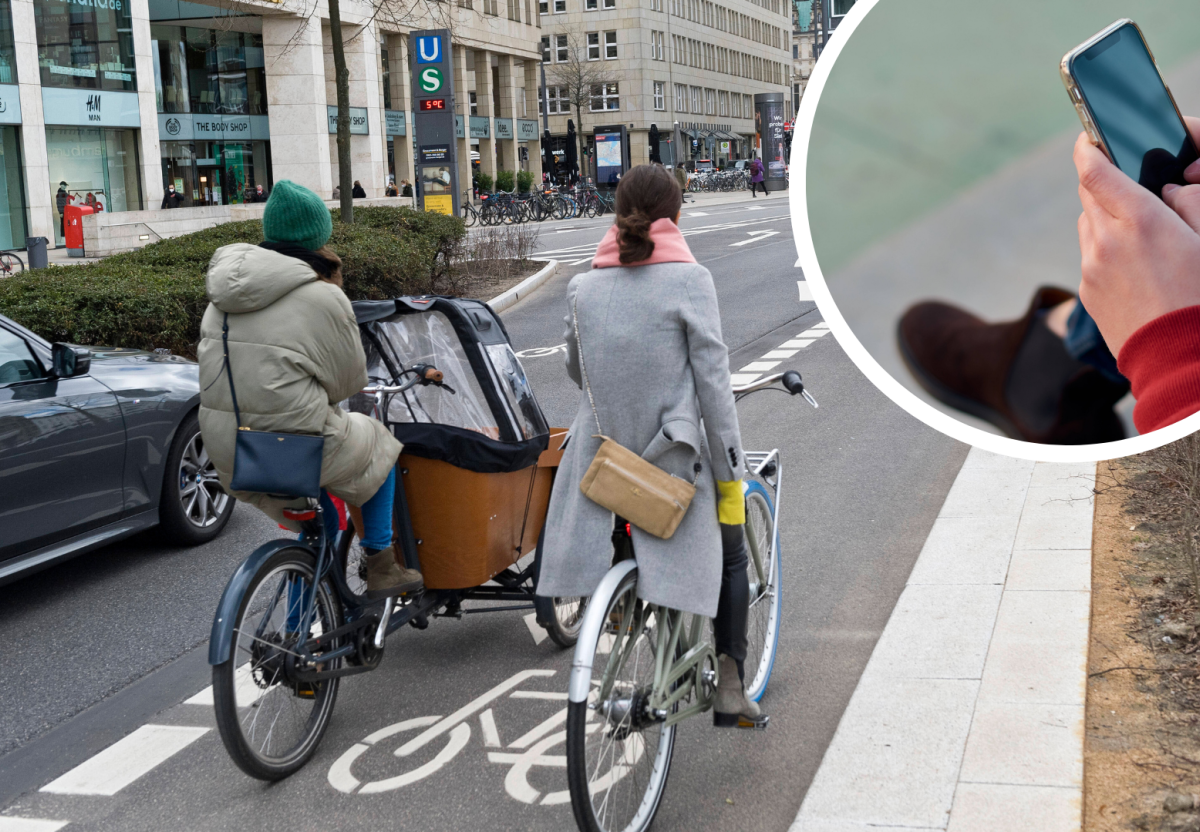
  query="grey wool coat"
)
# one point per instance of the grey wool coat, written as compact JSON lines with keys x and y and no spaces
{"x":659,"y":373}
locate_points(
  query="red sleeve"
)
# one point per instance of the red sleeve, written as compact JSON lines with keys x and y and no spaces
{"x":1162,"y":362}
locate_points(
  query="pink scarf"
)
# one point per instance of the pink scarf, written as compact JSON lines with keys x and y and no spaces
{"x":669,"y":247}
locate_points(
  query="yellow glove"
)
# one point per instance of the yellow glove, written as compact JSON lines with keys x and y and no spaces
{"x":731,"y":503}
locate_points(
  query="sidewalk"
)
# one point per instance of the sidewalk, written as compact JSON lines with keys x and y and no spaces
{"x":712,"y":200}
{"x":970,"y":714}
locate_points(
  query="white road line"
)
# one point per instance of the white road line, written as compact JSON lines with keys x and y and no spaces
{"x":125,"y":761}
{"x":541,"y":730}
{"x":813,"y":333}
{"x":796,"y":343}
{"x":821,"y":325}
{"x":781,"y":353}
{"x":487,"y":724}
{"x":758,"y":366}
{"x":11,"y":824}
{"x":805,"y":291}
{"x":756,"y":208}
{"x":246,"y":691}
{"x":755,"y":236}
{"x":538,"y":694}
{"x":535,"y":629}
{"x":741,"y":378}
{"x":576,"y":262}
{"x":696,"y":214}
{"x":797,"y":266}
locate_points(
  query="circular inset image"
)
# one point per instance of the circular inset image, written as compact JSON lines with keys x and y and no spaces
{"x":999,"y":216}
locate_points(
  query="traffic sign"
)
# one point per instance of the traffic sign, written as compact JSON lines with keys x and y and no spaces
{"x":431,"y":79}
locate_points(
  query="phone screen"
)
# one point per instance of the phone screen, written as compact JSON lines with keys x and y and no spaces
{"x":1133,"y":111}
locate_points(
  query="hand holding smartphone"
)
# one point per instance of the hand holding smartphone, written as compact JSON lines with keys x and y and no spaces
{"x":1126,"y":107}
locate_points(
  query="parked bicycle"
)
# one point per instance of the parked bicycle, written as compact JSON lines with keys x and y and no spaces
{"x":11,"y":263}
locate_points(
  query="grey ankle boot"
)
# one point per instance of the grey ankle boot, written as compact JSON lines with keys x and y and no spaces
{"x":731,"y":707}
{"x":386,"y":578}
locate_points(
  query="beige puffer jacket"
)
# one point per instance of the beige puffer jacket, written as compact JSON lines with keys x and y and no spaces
{"x":295,"y":352}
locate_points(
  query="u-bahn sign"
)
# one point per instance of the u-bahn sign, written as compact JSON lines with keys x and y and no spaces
{"x":433,"y":120}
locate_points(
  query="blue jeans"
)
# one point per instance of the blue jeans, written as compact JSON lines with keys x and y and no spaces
{"x":1085,"y":343}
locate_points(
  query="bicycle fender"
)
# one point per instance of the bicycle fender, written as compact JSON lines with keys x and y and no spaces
{"x":231,"y":599}
{"x":589,"y":631}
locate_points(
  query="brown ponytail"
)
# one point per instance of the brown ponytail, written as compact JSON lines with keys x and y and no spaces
{"x":647,"y":193}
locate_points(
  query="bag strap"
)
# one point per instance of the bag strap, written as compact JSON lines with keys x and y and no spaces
{"x":587,"y":386}
{"x":228,"y":372}
{"x":582,"y":367}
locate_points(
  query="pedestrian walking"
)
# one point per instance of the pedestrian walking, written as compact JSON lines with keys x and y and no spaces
{"x":171,"y":199}
{"x":756,"y":177}
{"x":644,"y":342}
{"x":357,"y":192}
{"x":61,"y":200}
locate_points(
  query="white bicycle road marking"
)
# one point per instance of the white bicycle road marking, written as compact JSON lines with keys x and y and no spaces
{"x":542,"y":352}
{"x":126,"y":760}
{"x":755,"y":236}
{"x":10,"y":823}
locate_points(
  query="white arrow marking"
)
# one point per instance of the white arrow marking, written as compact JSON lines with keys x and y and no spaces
{"x":755,"y":236}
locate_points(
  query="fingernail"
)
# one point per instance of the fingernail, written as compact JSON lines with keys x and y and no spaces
{"x":1193,"y":169}
{"x":1169,"y":189}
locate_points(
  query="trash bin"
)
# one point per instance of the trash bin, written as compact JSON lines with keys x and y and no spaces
{"x":35,"y":248}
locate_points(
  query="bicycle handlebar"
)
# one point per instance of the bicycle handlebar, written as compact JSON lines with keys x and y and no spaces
{"x":792,"y":383}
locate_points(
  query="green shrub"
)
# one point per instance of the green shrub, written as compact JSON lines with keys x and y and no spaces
{"x":483,"y":181}
{"x":524,"y":181}
{"x":155,"y":297}
{"x":504,"y":180}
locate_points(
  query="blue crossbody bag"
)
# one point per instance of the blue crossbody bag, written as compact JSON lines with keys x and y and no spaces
{"x":279,"y":464}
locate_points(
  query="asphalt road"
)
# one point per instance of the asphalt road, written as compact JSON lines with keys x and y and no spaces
{"x":97,"y":647}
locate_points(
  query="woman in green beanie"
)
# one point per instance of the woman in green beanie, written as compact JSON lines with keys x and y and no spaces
{"x":295,"y":353}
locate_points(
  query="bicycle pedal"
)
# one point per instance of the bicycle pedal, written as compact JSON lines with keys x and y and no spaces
{"x":759,"y":723}
{"x":306,"y":690}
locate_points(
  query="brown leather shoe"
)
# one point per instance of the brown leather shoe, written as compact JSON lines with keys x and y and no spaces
{"x":1016,"y":375}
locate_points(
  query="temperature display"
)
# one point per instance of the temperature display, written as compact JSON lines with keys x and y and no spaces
{"x":433,"y":104}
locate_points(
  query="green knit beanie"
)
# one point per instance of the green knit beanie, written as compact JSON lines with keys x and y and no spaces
{"x":295,"y":214}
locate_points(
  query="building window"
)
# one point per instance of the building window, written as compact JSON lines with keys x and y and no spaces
{"x":590,"y":5}
{"x":610,"y":4}
{"x":710,"y":102}
{"x":593,"y":46}
{"x":681,"y":98}
{"x":543,"y":6}
{"x":656,"y":46}
{"x":723,"y":106}
{"x":208,"y":71}
{"x":560,"y":6}
{"x":85,"y":46}
{"x":474,"y":103}
{"x":747,"y":106}
{"x":697,"y":100}
{"x":605,"y":97}
{"x":8,"y":61}
{"x":557,"y":100}
{"x":660,"y":97}
{"x":561,"y":48}
{"x":610,"y":46}
{"x":546,"y":49}
{"x":735,"y":99}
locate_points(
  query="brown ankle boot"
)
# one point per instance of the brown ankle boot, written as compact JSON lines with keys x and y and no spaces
{"x":386,"y":578}
{"x":1016,"y":375}
{"x":731,"y":707}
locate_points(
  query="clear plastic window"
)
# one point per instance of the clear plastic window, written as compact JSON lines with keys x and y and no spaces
{"x":429,"y":338}
{"x":518,"y":396}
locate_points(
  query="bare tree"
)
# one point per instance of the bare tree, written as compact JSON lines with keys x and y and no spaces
{"x":583,"y":79}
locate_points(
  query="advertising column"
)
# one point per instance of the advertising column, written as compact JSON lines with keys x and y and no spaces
{"x":769,"y":133}
{"x":433,"y":121}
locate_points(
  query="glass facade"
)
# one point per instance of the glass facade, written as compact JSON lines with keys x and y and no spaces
{"x":220,"y":75}
{"x":12,"y":190}
{"x":208,"y":71}
{"x":85,"y":44}
{"x":8,"y":60}
{"x":98,"y":165}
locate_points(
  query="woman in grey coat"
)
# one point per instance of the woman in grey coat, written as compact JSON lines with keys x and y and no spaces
{"x":659,"y":373}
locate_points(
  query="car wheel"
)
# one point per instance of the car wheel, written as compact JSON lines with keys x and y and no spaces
{"x":194,"y":507}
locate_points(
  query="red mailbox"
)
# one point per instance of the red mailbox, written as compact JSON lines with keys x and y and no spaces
{"x":73,"y":228}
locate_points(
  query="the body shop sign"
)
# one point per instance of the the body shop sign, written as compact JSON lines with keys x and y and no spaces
{"x":186,"y":127}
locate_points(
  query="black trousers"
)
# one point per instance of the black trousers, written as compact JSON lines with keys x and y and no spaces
{"x":754,"y":185}
{"x":733,"y":604}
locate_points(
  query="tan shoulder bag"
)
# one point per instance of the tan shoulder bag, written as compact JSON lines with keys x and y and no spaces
{"x":624,"y":483}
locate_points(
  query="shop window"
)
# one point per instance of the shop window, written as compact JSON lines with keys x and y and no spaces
{"x":610,"y":46}
{"x":12,"y":190}
{"x":85,"y":46}
{"x":605,"y":97}
{"x":660,"y":99}
{"x":100,"y":167}
{"x":210,"y":72}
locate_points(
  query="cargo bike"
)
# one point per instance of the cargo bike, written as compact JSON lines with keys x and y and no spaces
{"x":472,"y":487}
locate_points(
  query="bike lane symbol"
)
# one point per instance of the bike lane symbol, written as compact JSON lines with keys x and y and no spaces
{"x":342,"y":778}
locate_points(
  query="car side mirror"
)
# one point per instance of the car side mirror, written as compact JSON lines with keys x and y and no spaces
{"x":68,"y":360}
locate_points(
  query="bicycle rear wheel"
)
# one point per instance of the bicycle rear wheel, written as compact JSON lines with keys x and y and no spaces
{"x":270,"y":723}
{"x":618,"y":755}
{"x":762,"y":631}
{"x":11,"y":264}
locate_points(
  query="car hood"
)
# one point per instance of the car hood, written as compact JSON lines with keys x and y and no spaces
{"x":144,"y":373}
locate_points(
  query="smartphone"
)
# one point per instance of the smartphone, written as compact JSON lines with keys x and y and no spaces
{"x":1126,"y":108}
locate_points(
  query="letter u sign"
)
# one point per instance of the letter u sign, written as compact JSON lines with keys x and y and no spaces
{"x":429,"y":50}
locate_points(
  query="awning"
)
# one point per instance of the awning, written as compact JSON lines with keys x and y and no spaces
{"x":692,"y":133}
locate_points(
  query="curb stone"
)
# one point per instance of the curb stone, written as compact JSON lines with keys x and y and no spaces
{"x":526,"y":287}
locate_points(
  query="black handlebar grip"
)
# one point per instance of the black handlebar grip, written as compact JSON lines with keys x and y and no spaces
{"x":793,"y":383}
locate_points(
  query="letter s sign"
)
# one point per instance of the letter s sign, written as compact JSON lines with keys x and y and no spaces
{"x":429,"y":50}
{"x":430,"y":79}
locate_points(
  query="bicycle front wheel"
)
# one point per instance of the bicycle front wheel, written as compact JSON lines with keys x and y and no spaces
{"x":762,"y":631}
{"x":269,"y":722}
{"x":11,"y":264}
{"x":618,"y":754}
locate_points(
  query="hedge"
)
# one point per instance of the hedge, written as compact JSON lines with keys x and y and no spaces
{"x":155,"y":297}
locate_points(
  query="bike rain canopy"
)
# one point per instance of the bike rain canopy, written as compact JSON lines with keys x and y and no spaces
{"x":491,"y":423}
